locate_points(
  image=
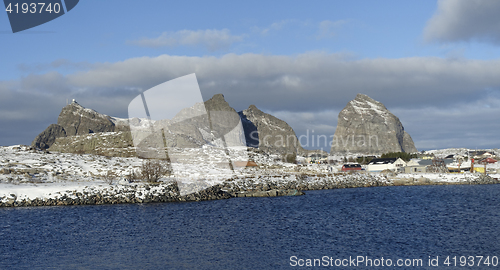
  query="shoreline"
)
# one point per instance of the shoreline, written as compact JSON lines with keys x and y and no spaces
{"x":164,"y":192}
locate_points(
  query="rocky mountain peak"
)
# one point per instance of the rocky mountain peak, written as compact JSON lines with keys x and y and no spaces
{"x":256,"y":112}
{"x":269,"y":133}
{"x":218,"y":103}
{"x":366,"y":126}
{"x":218,"y":98}
{"x":362,"y":97}
{"x":74,"y":119}
{"x":189,"y":128}
{"x":364,"y":104}
{"x":253,"y":108}
{"x":222,"y":117}
{"x":78,"y":120}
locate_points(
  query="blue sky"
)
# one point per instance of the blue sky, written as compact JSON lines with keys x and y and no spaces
{"x":435,"y":64}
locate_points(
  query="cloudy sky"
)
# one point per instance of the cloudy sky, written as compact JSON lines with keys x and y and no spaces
{"x":434,"y":64}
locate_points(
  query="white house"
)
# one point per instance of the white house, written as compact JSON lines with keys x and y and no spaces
{"x":380,"y":164}
{"x":487,"y":154}
{"x":412,"y":162}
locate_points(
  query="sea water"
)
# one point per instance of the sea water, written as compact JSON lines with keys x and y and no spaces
{"x":327,"y":228}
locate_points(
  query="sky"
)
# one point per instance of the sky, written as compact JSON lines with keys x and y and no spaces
{"x":434,"y":64}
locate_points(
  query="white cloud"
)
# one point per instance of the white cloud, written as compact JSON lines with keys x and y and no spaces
{"x":316,"y":85}
{"x":328,"y":29}
{"x":457,"y":20}
{"x":307,"y":81}
{"x":474,"y":124}
{"x":276,"y":26}
{"x":211,"y":39}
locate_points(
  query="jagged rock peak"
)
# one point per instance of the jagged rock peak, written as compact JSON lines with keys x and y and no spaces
{"x":252,"y":109}
{"x":360,"y":96}
{"x":269,"y":133}
{"x":366,"y":126}
{"x":223,"y":118}
{"x":191,"y":127}
{"x":218,"y":103}
{"x":77,"y":108}
{"x":365,"y":104}
{"x":254,"y":113}
{"x":78,"y":120}
{"x":74,"y":119}
{"x":218,"y":97}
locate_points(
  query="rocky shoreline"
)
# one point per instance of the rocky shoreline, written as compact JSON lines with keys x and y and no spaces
{"x":233,"y":188}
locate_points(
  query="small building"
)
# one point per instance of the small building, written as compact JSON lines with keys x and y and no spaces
{"x":380,"y":164}
{"x":479,"y":169}
{"x":488,"y":154}
{"x":415,"y":169}
{"x":399,"y":163}
{"x":245,"y":164}
{"x":351,"y":167}
{"x":317,"y":157}
{"x":481,"y":154}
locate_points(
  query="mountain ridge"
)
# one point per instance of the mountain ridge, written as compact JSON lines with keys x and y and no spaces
{"x":186,"y":129}
{"x":365,"y":126}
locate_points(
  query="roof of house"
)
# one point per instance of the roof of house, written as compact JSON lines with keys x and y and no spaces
{"x":488,"y":160}
{"x":376,"y":161}
{"x":352,"y":166}
{"x":318,"y":156}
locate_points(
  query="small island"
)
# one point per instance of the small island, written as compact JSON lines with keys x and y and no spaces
{"x":90,"y":158}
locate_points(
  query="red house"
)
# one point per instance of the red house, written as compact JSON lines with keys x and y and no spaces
{"x":351,"y":167}
{"x":487,"y":160}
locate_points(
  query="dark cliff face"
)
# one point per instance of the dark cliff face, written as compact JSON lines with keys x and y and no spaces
{"x":45,"y":139}
{"x":365,"y":126}
{"x":269,"y":133}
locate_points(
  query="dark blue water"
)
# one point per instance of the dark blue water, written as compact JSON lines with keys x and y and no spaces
{"x":258,"y":233}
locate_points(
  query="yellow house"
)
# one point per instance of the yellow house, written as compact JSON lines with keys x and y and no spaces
{"x":479,"y":169}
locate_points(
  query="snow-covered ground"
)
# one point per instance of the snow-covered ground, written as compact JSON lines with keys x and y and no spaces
{"x":442,"y":153}
{"x":30,"y":174}
{"x":444,"y":177}
{"x":37,"y":166}
{"x":35,"y":174}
